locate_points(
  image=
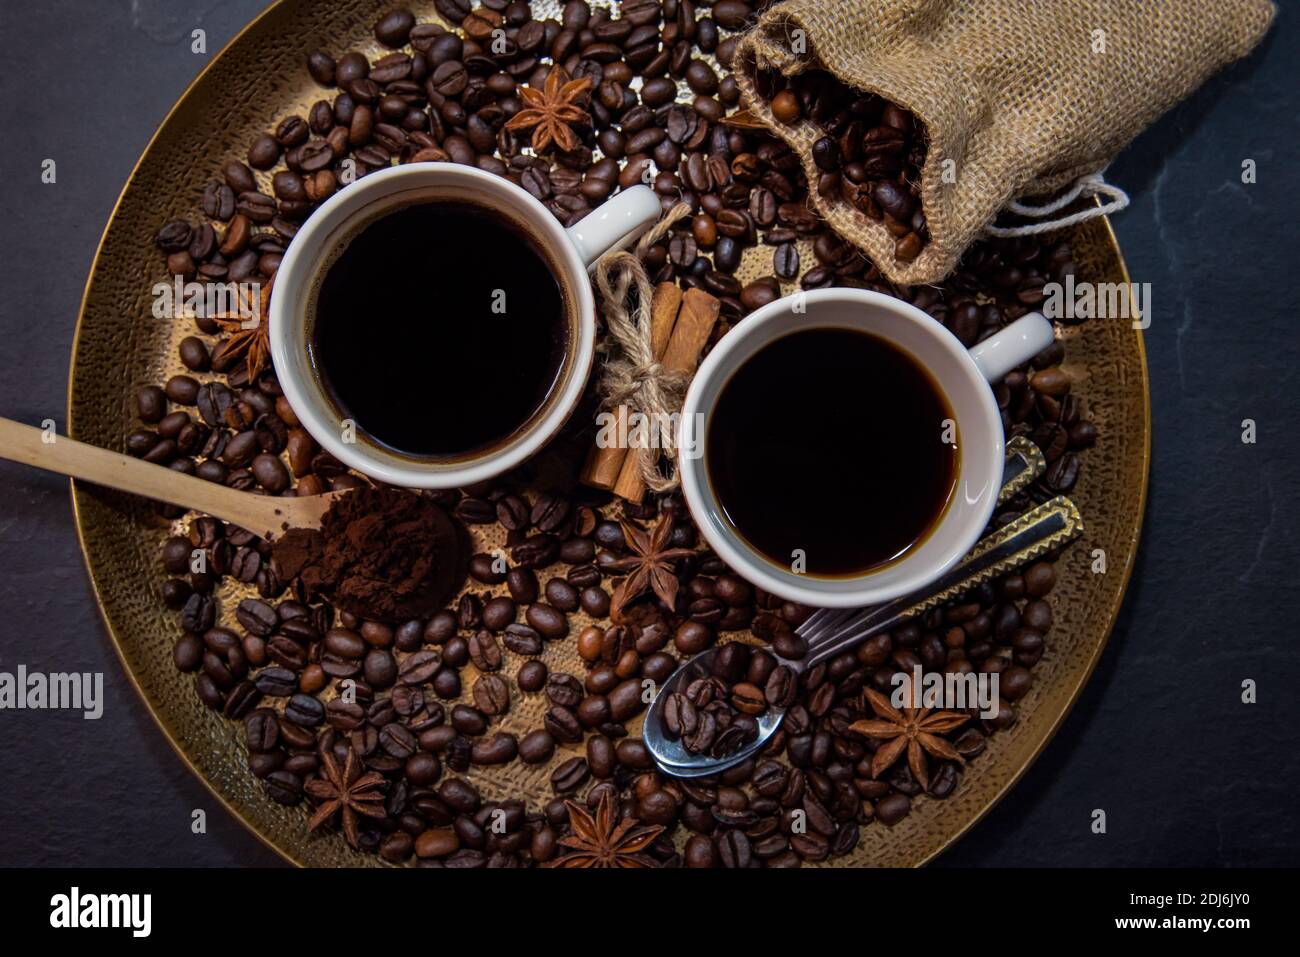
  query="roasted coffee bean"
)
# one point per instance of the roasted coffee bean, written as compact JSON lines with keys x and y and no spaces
{"x":182,"y":389}
{"x":199,"y":613}
{"x":261,"y":729}
{"x":570,"y":776}
{"x":781,"y":688}
{"x":550,"y":623}
{"x":194,"y":354}
{"x":760,"y":292}
{"x":475,"y":511}
{"x":304,"y":711}
{"x":1039,"y":579}
{"x":257,"y":617}
{"x":483,"y":568}
{"x":269,"y":471}
{"x":577,"y":551}
{"x":593,"y":711}
{"x":176,"y":555}
{"x":455,"y":652}
{"x":563,"y":725}
{"x":446,"y":684}
{"x":522,"y":640}
{"x":491,"y":694}
{"x":536,"y":747}
{"x":789,"y":645}
{"x":680,"y":716}
{"x":1062,"y":474}
{"x":733,"y":846}
{"x":748,"y":699}
{"x":532,"y":676}
{"x":283,"y":787}
{"x":394,"y":28}
{"x":499,"y":613}
{"x":561,"y":595}
{"x":469,"y":611}
{"x":512,"y":513}
{"x":264,"y":153}
{"x":535,"y":551}
{"x":468,"y":721}
{"x":275,"y":682}
{"x":419,"y":667}
{"x":563,"y":689}
{"x":584,"y":576}
{"x":522,"y":583}
{"x":485,"y":652}
{"x":692,"y":637}
{"x":501,"y":748}
{"x":441,"y":628}
{"x":601,"y":759}
{"x":826,"y":154}
{"x":625,"y":700}
{"x":397,"y":740}
{"x":321,"y":66}
{"x":785,"y":261}
{"x":595,"y":601}
{"x":549,"y":512}
{"x":726,"y":257}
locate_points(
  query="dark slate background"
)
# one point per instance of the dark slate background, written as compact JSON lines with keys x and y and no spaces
{"x":1186,"y":773}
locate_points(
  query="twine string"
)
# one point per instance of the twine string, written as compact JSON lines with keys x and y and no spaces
{"x":633,"y":377}
{"x":1087,"y":186}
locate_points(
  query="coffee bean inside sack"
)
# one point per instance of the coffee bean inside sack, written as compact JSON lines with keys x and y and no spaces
{"x":528,"y":635}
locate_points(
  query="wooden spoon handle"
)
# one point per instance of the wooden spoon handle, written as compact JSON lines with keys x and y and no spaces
{"x":261,"y":515}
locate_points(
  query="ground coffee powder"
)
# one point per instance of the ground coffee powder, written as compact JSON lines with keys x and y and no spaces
{"x":381,"y":553}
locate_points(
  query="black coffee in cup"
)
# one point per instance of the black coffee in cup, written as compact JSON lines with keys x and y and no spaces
{"x":833,"y":451}
{"x":439,"y":328}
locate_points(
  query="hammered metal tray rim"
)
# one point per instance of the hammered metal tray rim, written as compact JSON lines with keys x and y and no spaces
{"x":74,"y":489}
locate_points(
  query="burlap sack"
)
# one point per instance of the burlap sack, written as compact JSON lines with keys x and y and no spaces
{"x":1025,"y":96}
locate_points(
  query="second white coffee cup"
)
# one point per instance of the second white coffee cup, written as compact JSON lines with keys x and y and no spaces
{"x":963,"y":375}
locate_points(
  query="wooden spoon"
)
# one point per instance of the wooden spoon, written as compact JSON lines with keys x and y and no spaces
{"x":264,"y":515}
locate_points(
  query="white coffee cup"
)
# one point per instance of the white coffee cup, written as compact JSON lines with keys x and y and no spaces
{"x":570,"y":252}
{"x":963,"y":375}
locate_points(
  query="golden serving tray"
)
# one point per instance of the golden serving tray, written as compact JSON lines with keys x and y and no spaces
{"x":259,"y":78}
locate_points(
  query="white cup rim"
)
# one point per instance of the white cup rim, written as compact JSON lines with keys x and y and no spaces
{"x":852,"y":591}
{"x":302,"y":253}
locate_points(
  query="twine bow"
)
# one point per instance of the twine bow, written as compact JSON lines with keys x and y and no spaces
{"x":634,"y":377}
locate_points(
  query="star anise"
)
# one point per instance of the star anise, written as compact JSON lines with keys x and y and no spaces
{"x":914,"y":730}
{"x":603,"y":841}
{"x":248,"y":326}
{"x":347,"y":791}
{"x":552,"y":111}
{"x":649,"y":567}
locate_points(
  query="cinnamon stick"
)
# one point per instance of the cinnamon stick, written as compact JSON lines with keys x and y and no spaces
{"x":695,"y":321}
{"x":602,"y":467}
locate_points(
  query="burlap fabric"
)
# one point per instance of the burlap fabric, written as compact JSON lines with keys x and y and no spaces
{"x":1024,"y":96}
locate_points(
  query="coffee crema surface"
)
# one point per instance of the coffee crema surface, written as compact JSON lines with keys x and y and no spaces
{"x":828,"y":446}
{"x":440,"y":329}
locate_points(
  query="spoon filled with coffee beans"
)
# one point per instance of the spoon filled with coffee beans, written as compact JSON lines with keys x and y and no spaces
{"x":721,"y":706}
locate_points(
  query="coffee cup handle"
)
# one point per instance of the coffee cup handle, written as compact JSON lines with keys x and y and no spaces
{"x":614,"y":224}
{"x":1013,"y":346}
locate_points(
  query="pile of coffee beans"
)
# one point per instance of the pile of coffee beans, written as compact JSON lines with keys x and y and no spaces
{"x":870,"y":154}
{"x":718,"y":715}
{"x":435,"y":700}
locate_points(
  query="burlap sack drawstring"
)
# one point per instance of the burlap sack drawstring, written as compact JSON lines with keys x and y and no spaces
{"x":1087,"y":187}
{"x":635,"y":378}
